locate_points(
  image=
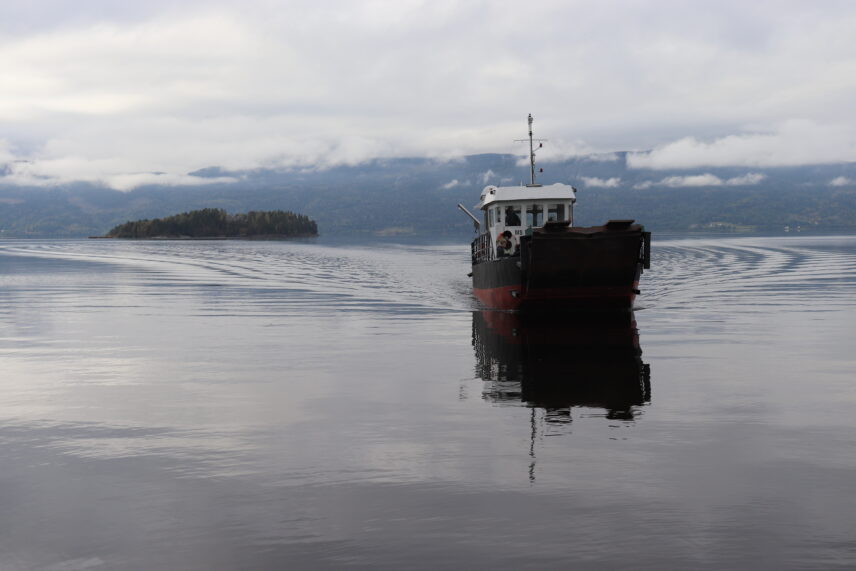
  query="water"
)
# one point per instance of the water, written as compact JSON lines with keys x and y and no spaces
{"x":273,"y":405}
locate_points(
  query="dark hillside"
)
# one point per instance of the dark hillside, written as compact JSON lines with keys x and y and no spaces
{"x":216,"y":223}
{"x":419,"y":197}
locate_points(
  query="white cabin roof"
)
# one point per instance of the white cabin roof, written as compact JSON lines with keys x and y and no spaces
{"x":556,"y":192}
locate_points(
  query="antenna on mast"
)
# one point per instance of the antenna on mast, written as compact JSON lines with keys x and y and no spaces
{"x":531,"y":152}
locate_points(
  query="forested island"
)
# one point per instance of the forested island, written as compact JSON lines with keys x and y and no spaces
{"x":217,"y":223}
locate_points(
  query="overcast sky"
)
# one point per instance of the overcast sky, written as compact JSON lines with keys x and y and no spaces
{"x":115,"y":92}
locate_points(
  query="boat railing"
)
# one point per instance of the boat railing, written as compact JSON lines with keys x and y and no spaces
{"x":645,"y":253}
{"x":481,"y":249}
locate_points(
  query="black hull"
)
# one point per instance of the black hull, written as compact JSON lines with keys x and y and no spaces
{"x":567,"y":269}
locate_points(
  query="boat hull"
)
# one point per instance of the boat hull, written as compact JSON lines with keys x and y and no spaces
{"x":574,"y":269}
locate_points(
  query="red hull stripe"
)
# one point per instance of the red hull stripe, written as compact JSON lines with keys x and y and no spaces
{"x":513,"y":297}
{"x":499,"y":297}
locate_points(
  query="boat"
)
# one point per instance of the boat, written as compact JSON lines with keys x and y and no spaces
{"x":528,"y":255}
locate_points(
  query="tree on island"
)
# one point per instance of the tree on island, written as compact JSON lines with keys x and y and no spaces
{"x":217,"y":223}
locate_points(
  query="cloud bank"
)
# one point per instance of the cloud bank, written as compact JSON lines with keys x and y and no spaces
{"x":702,"y":180}
{"x":790,"y":144}
{"x":487,"y":176}
{"x":595,"y":182}
{"x":101,"y":91}
{"x":454,"y":183}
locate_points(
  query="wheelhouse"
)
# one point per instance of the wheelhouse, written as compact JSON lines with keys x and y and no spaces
{"x":511,"y":212}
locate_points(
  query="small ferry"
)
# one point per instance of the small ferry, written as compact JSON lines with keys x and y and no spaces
{"x":529,"y":256}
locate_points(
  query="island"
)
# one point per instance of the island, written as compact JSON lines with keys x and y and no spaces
{"x":215,"y":223}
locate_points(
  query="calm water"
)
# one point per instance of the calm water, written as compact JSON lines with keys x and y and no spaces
{"x":275,"y":405}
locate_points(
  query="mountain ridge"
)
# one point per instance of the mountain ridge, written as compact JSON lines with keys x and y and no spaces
{"x":419,"y":196}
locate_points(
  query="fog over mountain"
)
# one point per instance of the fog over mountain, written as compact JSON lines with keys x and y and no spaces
{"x":417,"y":196}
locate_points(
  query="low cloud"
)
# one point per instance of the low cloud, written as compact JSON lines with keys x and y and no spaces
{"x":602,"y":157}
{"x":788,"y":144}
{"x":841,"y":181}
{"x":115,"y":173}
{"x":702,"y":180}
{"x":746,"y":180}
{"x":127,"y":182}
{"x":455,"y":183}
{"x":25,"y":173}
{"x":558,"y":150}
{"x":6,"y":156}
{"x":487,"y":176}
{"x":692,"y":180}
{"x":595,"y":182}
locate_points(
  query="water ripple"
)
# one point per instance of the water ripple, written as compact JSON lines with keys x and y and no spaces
{"x":750,"y":272}
{"x":395,"y":279}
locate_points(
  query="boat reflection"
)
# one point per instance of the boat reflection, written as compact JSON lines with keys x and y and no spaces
{"x":560,"y":363}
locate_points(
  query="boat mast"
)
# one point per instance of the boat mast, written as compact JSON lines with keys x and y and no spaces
{"x":532,"y":153}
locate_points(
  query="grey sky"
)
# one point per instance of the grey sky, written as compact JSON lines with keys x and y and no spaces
{"x":109,"y":92}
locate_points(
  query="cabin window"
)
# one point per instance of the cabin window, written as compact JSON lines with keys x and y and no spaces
{"x":512,"y":216}
{"x":556,"y":212}
{"x":498,"y":215}
{"x":534,"y":215}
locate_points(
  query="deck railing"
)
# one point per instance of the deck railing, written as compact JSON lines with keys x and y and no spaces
{"x":481,"y":249}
